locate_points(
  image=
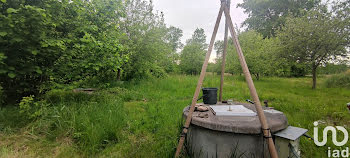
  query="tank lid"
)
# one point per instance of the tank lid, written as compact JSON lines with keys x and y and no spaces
{"x":232,"y":110}
{"x":237,"y":118}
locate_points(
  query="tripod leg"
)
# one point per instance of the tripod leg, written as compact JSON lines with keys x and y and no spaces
{"x":224,"y":56}
{"x":199,"y":84}
{"x":251,"y":86}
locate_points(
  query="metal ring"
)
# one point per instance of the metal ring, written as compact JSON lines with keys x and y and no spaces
{"x":268,"y":129}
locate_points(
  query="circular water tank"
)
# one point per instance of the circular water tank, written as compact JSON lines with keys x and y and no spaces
{"x":231,"y":131}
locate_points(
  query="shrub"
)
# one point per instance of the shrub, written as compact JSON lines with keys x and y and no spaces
{"x":339,"y":80}
{"x":41,"y":42}
{"x":31,"y":108}
{"x":331,"y":68}
{"x":158,"y":72}
{"x":28,"y":50}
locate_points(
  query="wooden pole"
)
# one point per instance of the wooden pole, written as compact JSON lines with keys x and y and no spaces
{"x":199,"y":84}
{"x":224,"y":55}
{"x":253,"y":93}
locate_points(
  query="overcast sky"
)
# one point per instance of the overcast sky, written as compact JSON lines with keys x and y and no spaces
{"x":191,"y":14}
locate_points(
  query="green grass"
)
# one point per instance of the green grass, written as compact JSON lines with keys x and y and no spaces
{"x":88,"y":123}
{"x":339,"y":80}
{"x":143,"y":119}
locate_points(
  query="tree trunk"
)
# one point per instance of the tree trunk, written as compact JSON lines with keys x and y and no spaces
{"x":314,"y":77}
{"x":118,"y":74}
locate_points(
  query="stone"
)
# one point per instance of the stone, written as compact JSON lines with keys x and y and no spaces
{"x":202,"y":108}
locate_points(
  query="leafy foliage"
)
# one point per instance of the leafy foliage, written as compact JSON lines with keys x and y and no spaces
{"x":42,"y":43}
{"x":152,"y":45}
{"x":259,"y":54}
{"x":174,"y":38}
{"x":31,"y":108}
{"x":198,"y":37}
{"x":91,"y":33}
{"x":47,"y":43}
{"x":267,"y":16}
{"x":314,"y":39}
{"x":332,"y":68}
{"x":193,"y":54}
{"x":28,"y":47}
{"x":341,"y":17}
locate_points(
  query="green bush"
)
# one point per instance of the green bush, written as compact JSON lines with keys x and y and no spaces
{"x":31,"y":108}
{"x":298,"y":70}
{"x":158,"y":72}
{"x":57,"y":41}
{"x":331,"y":68}
{"x":27,"y":48}
{"x":339,"y":80}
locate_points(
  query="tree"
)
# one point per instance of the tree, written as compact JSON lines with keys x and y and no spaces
{"x":95,"y":49}
{"x":341,"y":15}
{"x":151,"y":43}
{"x":191,"y":59}
{"x":313,"y":39}
{"x":198,"y":37}
{"x":267,"y":16}
{"x":219,"y":48}
{"x":174,"y":35}
{"x":47,"y":43}
{"x":332,"y":68}
{"x":50,"y":41}
{"x":28,"y":49}
{"x":173,"y":38}
{"x":192,"y":55}
{"x":258,"y":52}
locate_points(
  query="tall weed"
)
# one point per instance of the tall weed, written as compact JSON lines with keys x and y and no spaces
{"x":93,"y":121}
{"x":339,"y":80}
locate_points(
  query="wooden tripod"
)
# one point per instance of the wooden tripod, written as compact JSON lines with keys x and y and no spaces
{"x":229,"y":26}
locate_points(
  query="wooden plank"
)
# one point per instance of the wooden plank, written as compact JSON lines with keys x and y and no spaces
{"x":224,"y":55}
{"x":199,"y":84}
{"x":252,"y":90}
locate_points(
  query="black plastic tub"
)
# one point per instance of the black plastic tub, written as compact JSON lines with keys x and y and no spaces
{"x":210,"y":95}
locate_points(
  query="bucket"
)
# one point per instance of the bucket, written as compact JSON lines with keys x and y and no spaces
{"x":210,"y":95}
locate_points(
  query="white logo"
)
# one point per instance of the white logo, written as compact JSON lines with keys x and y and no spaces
{"x":334,"y":135}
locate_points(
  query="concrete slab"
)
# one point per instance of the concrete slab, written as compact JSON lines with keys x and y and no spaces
{"x":232,"y":110}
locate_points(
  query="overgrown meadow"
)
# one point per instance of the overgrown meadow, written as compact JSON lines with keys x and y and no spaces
{"x":145,"y":74}
{"x":143,"y":119}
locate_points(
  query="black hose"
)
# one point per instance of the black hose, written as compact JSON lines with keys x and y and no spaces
{"x":250,"y":101}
